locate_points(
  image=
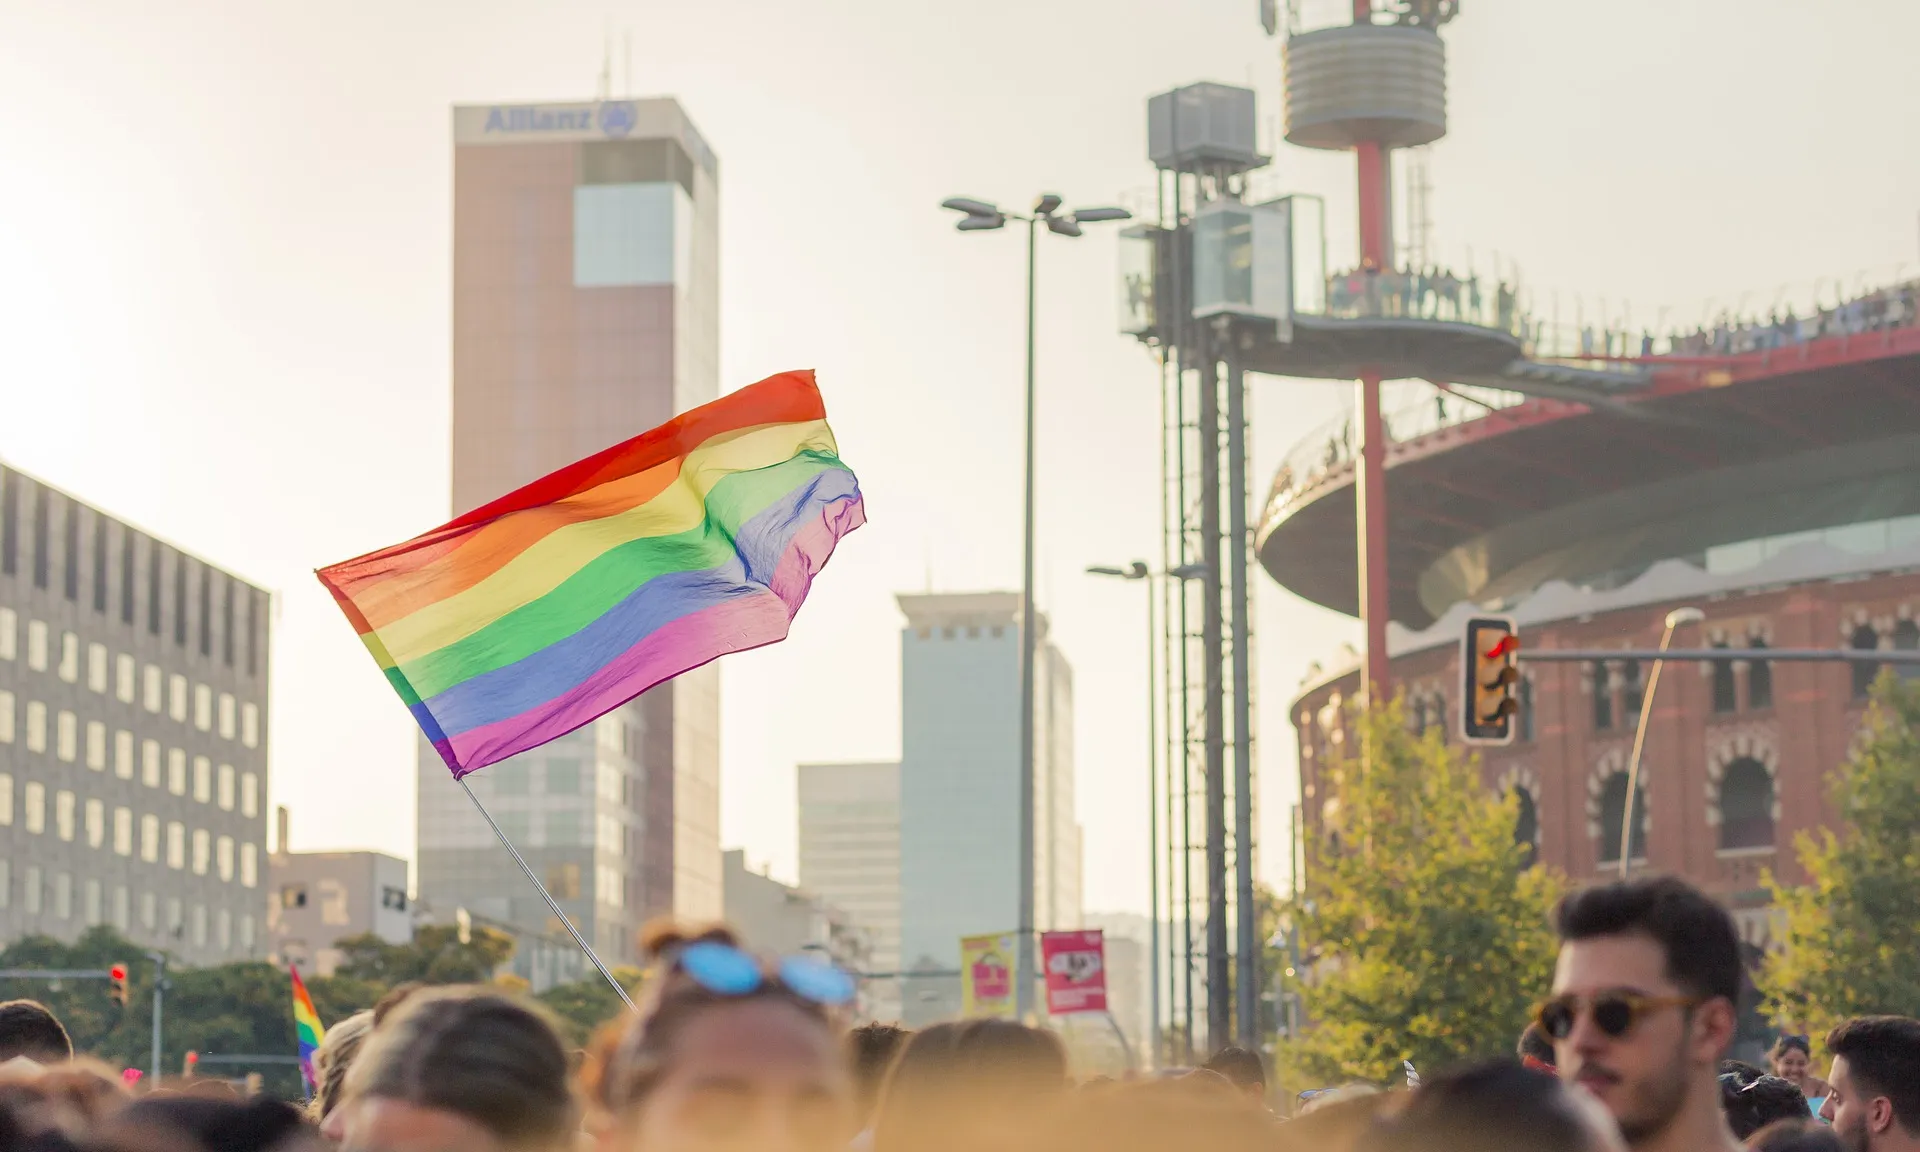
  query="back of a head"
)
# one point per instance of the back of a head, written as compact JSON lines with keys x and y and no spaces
{"x":1697,"y":935}
{"x":261,"y":1124}
{"x":28,"y":1028}
{"x":477,"y":1053}
{"x":1497,"y":1107}
{"x":1883,"y":1059}
{"x":871,"y":1050}
{"x":952,"y":1079}
{"x":1754,"y":1102}
{"x":1159,"y":1116}
{"x":1802,"y":1135}
{"x":1243,"y":1069}
{"x":336,"y":1056}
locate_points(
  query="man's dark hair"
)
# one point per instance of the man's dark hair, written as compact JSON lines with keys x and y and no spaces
{"x":1883,"y":1055}
{"x":1752,"y":1103}
{"x":28,"y":1029}
{"x":1697,"y":934}
{"x":1488,"y":1106}
{"x":396,"y":996}
{"x":1802,"y":1135}
{"x":1242,"y":1068}
{"x":871,"y":1049}
{"x":1534,"y":1045}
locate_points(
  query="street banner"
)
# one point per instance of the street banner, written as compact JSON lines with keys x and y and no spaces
{"x":986,"y":975}
{"x":1076,"y":971}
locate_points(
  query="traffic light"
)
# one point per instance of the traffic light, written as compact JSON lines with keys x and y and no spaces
{"x":117,"y":984}
{"x":1490,"y":657}
{"x":189,"y":1065}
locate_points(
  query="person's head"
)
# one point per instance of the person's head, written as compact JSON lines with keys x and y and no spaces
{"x":1753,"y":1102}
{"x":471,"y":1068}
{"x":28,"y":1029}
{"x":396,"y":996}
{"x":1243,"y":1069}
{"x":336,"y":1055}
{"x":1644,"y":1001}
{"x":967,"y":1085}
{"x":1497,"y":1107}
{"x":1535,"y":1049}
{"x":871,"y":1049}
{"x":1874,"y":1097}
{"x":1156,"y":1116}
{"x":726,"y":1052}
{"x":1791,"y":1057}
{"x":205,"y":1123}
{"x":1802,"y":1135}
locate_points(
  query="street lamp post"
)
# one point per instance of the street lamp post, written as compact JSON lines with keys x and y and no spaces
{"x":982,"y":216}
{"x":1675,"y":618}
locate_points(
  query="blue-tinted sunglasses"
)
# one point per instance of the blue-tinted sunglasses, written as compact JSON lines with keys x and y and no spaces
{"x":725,"y":970}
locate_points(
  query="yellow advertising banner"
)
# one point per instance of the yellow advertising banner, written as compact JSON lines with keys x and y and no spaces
{"x":986,"y":974}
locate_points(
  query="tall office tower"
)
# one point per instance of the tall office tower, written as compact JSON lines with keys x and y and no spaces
{"x":960,"y":782}
{"x":585,"y":311}
{"x":133,"y":762}
{"x":850,"y":858}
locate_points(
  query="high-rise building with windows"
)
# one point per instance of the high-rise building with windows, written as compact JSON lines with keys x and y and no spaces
{"x":585,"y":311}
{"x":850,"y":858}
{"x":960,"y":786}
{"x":133,"y":762}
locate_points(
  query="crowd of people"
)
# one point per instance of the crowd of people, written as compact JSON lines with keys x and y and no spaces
{"x":731,"y":1051}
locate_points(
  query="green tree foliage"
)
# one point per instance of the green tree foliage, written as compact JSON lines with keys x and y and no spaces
{"x":585,"y":1004}
{"x":435,"y":955}
{"x":1852,"y":945}
{"x":1427,"y":936}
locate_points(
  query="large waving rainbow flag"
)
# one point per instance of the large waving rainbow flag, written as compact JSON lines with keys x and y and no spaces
{"x":522,"y":620}
{"x":308,"y":1032}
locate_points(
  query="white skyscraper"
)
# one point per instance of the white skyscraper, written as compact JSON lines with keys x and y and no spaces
{"x":850,"y":858}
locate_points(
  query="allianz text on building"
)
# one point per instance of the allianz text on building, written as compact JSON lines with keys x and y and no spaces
{"x":585,"y":311}
{"x":133,"y":764}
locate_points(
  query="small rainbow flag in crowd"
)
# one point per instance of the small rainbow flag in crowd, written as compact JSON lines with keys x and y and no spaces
{"x":527,"y":618}
{"x":307,"y":1029}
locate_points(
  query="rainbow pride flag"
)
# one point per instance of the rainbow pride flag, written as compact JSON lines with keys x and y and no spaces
{"x":522,"y":620}
{"x":307,"y":1029}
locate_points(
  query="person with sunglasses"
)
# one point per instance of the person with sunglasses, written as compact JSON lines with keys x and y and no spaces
{"x":1643,"y":1008}
{"x":729,"y":1051}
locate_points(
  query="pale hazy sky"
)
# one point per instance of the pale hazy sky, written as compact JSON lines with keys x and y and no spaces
{"x":224,"y":294}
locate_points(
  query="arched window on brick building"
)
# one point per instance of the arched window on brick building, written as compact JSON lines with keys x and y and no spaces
{"x":1746,"y":805}
{"x":1725,"y":695}
{"x":1864,"y":638}
{"x":1633,"y":691}
{"x":1602,"y":699}
{"x":1759,"y":677}
{"x":1613,"y":803}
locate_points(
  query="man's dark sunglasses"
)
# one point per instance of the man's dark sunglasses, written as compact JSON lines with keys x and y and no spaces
{"x":1614,"y":1013}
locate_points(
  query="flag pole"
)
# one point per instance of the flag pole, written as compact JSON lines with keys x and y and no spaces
{"x":548,"y":896}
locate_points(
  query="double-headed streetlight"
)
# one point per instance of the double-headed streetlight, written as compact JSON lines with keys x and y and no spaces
{"x":1675,"y":619}
{"x":982,"y":216}
{"x":1138,"y":570}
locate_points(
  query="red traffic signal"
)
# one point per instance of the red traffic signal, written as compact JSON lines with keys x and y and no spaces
{"x":1489,"y":658}
{"x":117,"y":984}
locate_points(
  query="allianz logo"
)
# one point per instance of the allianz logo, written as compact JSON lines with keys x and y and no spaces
{"x":613,"y":118}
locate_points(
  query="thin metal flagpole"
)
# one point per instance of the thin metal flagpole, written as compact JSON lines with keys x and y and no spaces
{"x":546,"y":895}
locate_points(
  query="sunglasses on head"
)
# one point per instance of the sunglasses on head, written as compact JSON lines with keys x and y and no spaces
{"x":725,"y":970}
{"x":1614,"y":1013}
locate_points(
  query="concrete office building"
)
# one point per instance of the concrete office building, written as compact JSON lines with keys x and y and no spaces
{"x":785,"y":920}
{"x":960,"y":785}
{"x":321,"y":898}
{"x":133,"y":704}
{"x":850,"y":855}
{"x":585,"y":311}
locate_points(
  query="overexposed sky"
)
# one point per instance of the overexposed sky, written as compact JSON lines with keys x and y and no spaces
{"x":225,"y":305}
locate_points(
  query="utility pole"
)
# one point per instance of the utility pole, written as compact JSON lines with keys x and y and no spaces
{"x":159,"y":993}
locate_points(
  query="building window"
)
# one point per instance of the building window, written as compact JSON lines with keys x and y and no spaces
{"x":1613,"y":803}
{"x":63,"y":811}
{"x":177,"y":771}
{"x":223,"y":930}
{"x":1633,"y":691}
{"x":6,"y":799}
{"x":150,"y":839}
{"x":153,"y":587}
{"x":42,"y":544}
{"x":69,"y":657}
{"x":249,"y":630}
{"x":1746,"y":805}
{"x":9,"y":631}
{"x":96,"y":746}
{"x":155,"y":690}
{"x":226,"y":716}
{"x":250,"y":796}
{"x":293,"y":896}
{"x":33,"y":891}
{"x":120,"y":908}
{"x":125,"y":677}
{"x":563,"y":777}
{"x":1759,"y":677}
{"x":249,"y":865}
{"x":90,"y":909}
{"x":123,"y":754}
{"x":100,"y":564}
{"x":393,"y":899}
{"x":1864,"y":639}
{"x":179,"y":599}
{"x":563,"y":880}
{"x":565,"y":827}
{"x":226,"y":787}
{"x":37,"y":645}
{"x":67,"y":737}
{"x":206,"y":608}
{"x":150,"y":763}
{"x":36,"y":726}
{"x":70,"y":570}
{"x":250,"y":725}
{"x":123,"y":831}
{"x":63,"y":895}
{"x":223,"y":858}
{"x":176,"y":923}
{"x":126,"y":578}
{"x":97,"y":668}
{"x":176,"y":845}
{"x":1725,"y":699}
{"x":246,"y":933}
{"x":203,"y":779}
{"x":147,"y":904}
{"x":511,"y":779}
{"x":9,"y":522}
{"x":96,"y":823}
{"x":226,"y":620}
{"x":177,"y":697}
{"x":203,"y":707}
{"x":1906,"y":638}
{"x":199,"y":925}
{"x":6,"y":717}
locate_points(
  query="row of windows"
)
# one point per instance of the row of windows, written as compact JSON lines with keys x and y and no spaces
{"x":207,"y":782}
{"x":55,"y":895}
{"x":143,"y":561}
{"x":150,"y":687}
{"x":71,"y":818}
{"x":1744,"y":814}
{"x":1905,"y":638}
